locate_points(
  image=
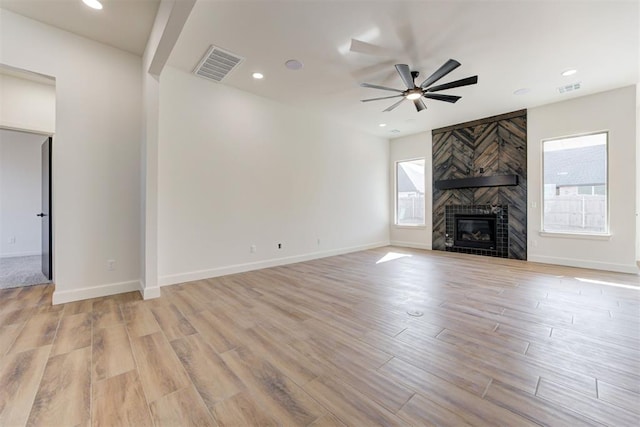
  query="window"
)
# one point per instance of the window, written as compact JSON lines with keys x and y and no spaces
{"x":575,"y":184}
{"x":410,"y":192}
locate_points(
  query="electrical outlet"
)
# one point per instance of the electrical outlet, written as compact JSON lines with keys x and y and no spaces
{"x":318,"y":241}
{"x":279,"y":245}
{"x":111,"y":264}
{"x":252,"y":249}
{"x":11,"y":240}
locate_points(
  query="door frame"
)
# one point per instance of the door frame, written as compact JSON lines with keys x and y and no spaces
{"x":47,"y":254}
{"x":51,"y":193}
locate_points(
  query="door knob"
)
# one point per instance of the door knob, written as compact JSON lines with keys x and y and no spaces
{"x":41,"y":214}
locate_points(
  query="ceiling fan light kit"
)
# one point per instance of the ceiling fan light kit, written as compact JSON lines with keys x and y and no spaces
{"x":415,"y":93}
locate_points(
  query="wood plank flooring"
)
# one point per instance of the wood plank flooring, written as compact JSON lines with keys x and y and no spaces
{"x":330,"y":343}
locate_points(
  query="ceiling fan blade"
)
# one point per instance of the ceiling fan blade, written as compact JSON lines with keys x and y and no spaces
{"x":380,"y":68}
{"x":462,"y":82}
{"x":405,"y":75}
{"x":445,"y":69}
{"x":394,"y":105}
{"x":358,"y":46}
{"x":380,"y":87}
{"x":439,"y":97}
{"x":419,"y":104}
{"x":384,"y":97}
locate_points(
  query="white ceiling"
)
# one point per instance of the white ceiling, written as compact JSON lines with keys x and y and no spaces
{"x":508,"y":44}
{"x":124,"y":24}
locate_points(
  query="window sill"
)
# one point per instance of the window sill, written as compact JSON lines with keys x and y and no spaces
{"x":604,"y":236}
{"x":411,"y":227}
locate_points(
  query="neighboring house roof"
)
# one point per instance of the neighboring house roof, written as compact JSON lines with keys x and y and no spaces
{"x":576,"y":166}
{"x":410,"y":178}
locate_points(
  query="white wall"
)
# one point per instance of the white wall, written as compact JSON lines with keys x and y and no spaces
{"x":20,"y":191}
{"x":96,"y":154}
{"x":405,"y":148}
{"x":614,"y":111}
{"x":27,"y":105}
{"x":237,"y":170}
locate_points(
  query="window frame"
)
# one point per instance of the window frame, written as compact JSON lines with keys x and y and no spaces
{"x":395,"y":194}
{"x":576,"y":234}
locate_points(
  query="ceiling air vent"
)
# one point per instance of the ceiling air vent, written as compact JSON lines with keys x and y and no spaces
{"x":569,"y":88}
{"x":217,"y":63}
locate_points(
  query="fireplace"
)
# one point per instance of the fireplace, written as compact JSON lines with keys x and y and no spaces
{"x":467,"y":228}
{"x":475,"y":231}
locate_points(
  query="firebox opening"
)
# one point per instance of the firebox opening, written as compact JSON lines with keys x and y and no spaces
{"x":475,"y":231}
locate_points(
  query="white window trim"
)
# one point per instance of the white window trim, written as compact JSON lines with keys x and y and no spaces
{"x":395,"y":196}
{"x":606,"y":235}
{"x":585,"y":236}
{"x":411,"y":227}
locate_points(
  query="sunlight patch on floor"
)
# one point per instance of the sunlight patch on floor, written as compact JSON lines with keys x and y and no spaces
{"x":390,"y":256}
{"x":601,"y":282}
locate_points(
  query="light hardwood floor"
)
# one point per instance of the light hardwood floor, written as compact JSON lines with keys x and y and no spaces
{"x":330,"y":343}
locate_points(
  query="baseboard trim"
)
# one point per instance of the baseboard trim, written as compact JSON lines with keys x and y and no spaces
{"x":149,"y":293}
{"x":410,"y":245}
{"x":62,"y":297}
{"x":19,"y":254}
{"x":571,"y":262}
{"x":173,"y":279}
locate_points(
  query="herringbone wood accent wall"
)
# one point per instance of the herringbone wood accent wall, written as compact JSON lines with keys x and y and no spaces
{"x":493,"y":146}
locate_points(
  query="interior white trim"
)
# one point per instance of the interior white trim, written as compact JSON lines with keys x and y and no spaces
{"x":410,"y":245}
{"x":241,"y":268}
{"x":62,"y":297}
{"x":586,"y":236}
{"x":25,"y":128}
{"x":571,"y":262}
{"x":150,"y":292}
{"x":19,"y":254}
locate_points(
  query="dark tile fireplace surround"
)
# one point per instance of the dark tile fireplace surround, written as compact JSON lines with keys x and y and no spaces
{"x":479,"y":191}
{"x":477,"y":229}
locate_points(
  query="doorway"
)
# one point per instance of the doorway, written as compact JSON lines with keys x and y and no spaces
{"x":25,"y":209}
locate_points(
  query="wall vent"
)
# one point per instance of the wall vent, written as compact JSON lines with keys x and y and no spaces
{"x":569,"y":88}
{"x":217,"y":63}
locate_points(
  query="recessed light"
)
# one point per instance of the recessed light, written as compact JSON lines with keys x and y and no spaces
{"x":93,"y":4}
{"x":293,"y":64}
{"x":522,"y":91}
{"x":569,"y":72}
{"x":382,"y":125}
{"x":258,"y":76}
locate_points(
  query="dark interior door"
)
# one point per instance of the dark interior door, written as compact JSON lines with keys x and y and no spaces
{"x":45,"y":215}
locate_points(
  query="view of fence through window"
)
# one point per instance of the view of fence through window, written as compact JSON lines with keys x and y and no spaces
{"x":575,"y":184}
{"x":410,"y":192}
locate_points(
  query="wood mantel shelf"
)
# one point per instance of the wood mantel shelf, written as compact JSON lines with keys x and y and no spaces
{"x":478,"y":181}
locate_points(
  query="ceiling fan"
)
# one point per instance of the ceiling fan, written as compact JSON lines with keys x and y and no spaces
{"x":426,"y":88}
